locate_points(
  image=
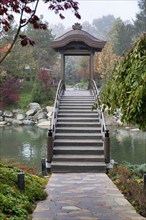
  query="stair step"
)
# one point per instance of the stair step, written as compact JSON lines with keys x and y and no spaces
{"x":80,"y":142}
{"x":78,"y":130}
{"x":78,"y":124}
{"x":78,"y":158}
{"x":77,"y":119}
{"x":78,"y":150}
{"x":78,"y":167}
{"x":78,"y":111}
{"x":78,"y":115}
{"x":75,"y":136}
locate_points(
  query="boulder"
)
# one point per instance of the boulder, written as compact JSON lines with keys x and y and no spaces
{"x":9,"y":120}
{"x":1,"y":118}
{"x":1,"y":113}
{"x":8,"y":114}
{"x":49,"y":109}
{"x":20,"y":116}
{"x":17,"y":122}
{"x":41,"y":115}
{"x":31,"y":112}
{"x":18,"y":111}
{"x":2,"y":123}
{"x":35,"y":106}
{"x":44,"y":124}
{"x":28,"y":122}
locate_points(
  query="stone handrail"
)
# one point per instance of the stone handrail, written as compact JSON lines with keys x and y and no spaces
{"x":59,"y":92}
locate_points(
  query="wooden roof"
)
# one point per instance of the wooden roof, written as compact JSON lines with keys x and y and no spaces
{"x":77,"y":39}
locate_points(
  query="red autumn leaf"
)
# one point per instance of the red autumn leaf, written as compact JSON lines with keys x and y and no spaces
{"x":77,"y":15}
{"x":35,"y":18}
{"x":36,"y":26}
{"x":24,"y":42}
{"x":23,"y":21}
{"x":27,"y":10}
{"x":31,"y":42}
{"x":22,"y":36}
{"x":10,"y":17}
{"x":67,"y":5}
{"x":61,"y":16}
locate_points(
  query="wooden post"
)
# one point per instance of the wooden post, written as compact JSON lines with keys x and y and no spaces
{"x":44,"y":169}
{"x":21,"y":180}
{"x":107,"y":147}
{"x":50,"y":146}
{"x":144,"y":183}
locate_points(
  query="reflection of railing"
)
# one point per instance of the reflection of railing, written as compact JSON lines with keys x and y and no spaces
{"x":51,"y":131}
{"x":104,"y":130}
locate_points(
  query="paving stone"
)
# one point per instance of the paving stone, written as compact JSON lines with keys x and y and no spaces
{"x":84,"y":196}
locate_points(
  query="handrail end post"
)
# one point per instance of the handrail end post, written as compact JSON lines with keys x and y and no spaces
{"x":107,"y":146}
{"x":50,"y":143}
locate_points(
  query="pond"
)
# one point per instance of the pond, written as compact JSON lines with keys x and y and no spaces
{"x":27,"y":145}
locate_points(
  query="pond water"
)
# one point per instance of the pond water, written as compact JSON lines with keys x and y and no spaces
{"x":27,"y":145}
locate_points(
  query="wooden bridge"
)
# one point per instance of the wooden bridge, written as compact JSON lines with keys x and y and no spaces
{"x":77,"y":142}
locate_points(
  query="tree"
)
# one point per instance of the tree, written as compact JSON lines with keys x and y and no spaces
{"x":121,"y":36}
{"x":104,"y":62}
{"x":103,"y":26}
{"x":26,"y":63}
{"x":10,"y":10}
{"x":140,"y":22}
{"x":126,"y":88}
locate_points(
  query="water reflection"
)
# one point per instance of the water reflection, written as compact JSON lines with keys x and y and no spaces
{"x":27,"y":145}
{"x":128,"y":146}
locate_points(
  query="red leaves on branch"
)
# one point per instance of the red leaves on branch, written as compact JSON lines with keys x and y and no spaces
{"x":25,"y":41}
{"x":9,"y":91}
{"x":26,"y":10}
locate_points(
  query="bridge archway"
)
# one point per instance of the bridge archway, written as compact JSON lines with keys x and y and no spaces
{"x":77,"y":42}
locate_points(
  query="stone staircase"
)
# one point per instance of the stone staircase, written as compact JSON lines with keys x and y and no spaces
{"x":78,"y":144}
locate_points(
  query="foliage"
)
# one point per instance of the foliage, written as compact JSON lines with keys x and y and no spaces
{"x":140,"y":22}
{"x":126,"y":88}
{"x":103,"y":26}
{"x":104,"y":62}
{"x":43,"y":88}
{"x":9,"y":90}
{"x":16,"y":204}
{"x":25,"y":12}
{"x":129,"y":181}
{"x":121,"y":36}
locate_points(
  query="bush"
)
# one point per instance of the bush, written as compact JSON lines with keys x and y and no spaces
{"x":15,"y":204}
{"x":9,"y":91}
{"x":130,"y":182}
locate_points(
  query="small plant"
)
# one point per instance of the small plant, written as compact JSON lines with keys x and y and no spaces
{"x":16,"y":204}
{"x":129,"y":180}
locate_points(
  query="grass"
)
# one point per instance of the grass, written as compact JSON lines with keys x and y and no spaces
{"x":15,"y":203}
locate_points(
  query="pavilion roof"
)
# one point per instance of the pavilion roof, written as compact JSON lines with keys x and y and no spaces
{"x":77,"y":35}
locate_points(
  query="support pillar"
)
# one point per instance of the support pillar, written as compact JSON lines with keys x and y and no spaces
{"x":63,"y":67}
{"x":91,"y":66}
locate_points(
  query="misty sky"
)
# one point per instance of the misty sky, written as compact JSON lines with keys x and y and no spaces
{"x":92,"y":9}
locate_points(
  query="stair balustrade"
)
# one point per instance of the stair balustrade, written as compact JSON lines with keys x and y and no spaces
{"x":52,"y":129}
{"x":104,"y":130}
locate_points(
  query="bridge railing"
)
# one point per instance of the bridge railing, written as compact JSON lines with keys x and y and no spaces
{"x":104,"y":130}
{"x":59,"y":93}
{"x":52,"y":129}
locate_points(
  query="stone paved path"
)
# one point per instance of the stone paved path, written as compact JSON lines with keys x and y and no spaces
{"x":84,"y":196}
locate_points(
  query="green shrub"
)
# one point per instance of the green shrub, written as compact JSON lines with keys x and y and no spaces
{"x":17,"y":204}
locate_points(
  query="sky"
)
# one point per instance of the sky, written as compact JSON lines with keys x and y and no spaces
{"x":93,"y":9}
